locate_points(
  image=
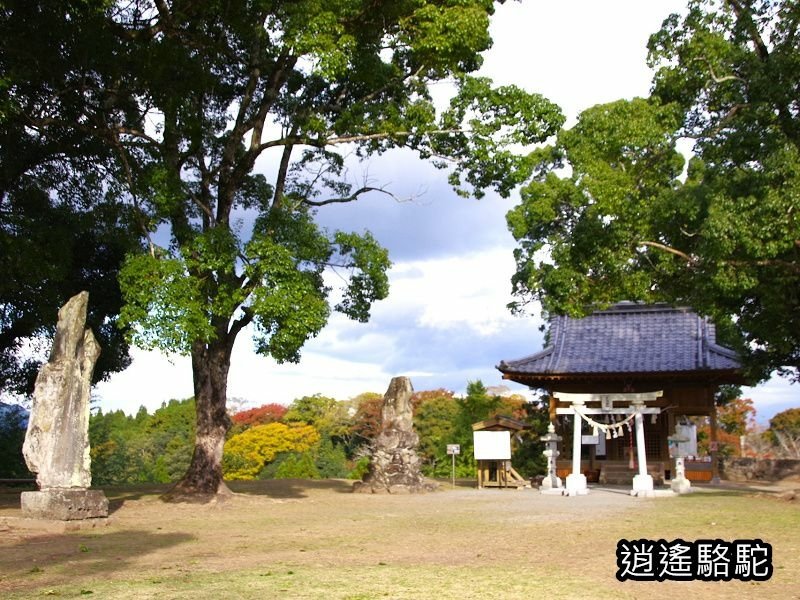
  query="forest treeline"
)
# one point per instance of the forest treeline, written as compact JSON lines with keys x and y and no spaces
{"x":321,"y":437}
{"x":313,"y":437}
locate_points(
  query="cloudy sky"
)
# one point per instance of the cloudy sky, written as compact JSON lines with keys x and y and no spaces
{"x":445,"y":322}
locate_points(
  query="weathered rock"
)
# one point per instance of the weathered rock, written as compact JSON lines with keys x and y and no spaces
{"x":56,"y":444}
{"x":394,"y":464}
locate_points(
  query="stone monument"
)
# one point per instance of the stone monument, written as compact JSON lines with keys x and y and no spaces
{"x":394,"y":464}
{"x":56,"y":444}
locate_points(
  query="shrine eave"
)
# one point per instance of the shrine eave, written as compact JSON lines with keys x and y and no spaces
{"x":701,"y":377}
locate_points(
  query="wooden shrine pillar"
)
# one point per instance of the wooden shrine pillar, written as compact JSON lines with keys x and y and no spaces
{"x":713,"y":445}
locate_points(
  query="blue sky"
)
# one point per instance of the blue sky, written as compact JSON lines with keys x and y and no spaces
{"x":445,"y":322}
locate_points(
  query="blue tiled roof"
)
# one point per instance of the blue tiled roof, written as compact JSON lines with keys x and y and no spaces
{"x":629,"y":338}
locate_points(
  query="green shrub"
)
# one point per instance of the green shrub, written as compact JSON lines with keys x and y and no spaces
{"x":291,"y":465}
{"x":331,"y":460}
{"x":297,"y":466}
{"x":360,"y":469}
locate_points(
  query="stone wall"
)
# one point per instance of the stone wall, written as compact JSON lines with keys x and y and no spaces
{"x":747,"y":469}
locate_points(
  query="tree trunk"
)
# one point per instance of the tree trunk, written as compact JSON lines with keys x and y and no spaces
{"x":203,"y":479}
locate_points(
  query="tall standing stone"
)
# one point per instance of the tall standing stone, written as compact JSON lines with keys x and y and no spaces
{"x":394,"y":464}
{"x":56,"y":444}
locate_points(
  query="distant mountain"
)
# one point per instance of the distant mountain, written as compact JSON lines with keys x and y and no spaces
{"x":12,"y":415}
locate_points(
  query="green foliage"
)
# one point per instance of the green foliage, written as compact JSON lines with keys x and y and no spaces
{"x":329,"y":416}
{"x":12,"y":436}
{"x":360,"y":469}
{"x":330,"y":460}
{"x":623,"y":222}
{"x":164,"y":308}
{"x":527,"y":456}
{"x":441,"y":419}
{"x":476,"y":406}
{"x":291,"y":465}
{"x":363,"y":254}
{"x":61,"y":231}
{"x":435,"y":418}
{"x":145,"y":448}
{"x":316,"y":437}
{"x":51,"y":250}
{"x":324,"y":460}
{"x":500,"y":120}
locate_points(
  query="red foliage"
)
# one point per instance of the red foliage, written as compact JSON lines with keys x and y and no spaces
{"x":420,"y":397}
{"x":367,"y":419}
{"x":268,"y":413}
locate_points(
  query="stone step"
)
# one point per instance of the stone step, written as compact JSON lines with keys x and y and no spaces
{"x":621,"y":474}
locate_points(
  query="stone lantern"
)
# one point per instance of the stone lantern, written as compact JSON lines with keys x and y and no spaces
{"x":679,"y":483}
{"x":551,"y":484}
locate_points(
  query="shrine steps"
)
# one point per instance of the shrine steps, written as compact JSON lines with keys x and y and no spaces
{"x":620,"y":473}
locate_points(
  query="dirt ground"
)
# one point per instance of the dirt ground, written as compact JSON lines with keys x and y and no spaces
{"x":323,"y":527}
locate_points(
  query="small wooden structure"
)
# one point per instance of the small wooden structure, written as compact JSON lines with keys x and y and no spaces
{"x":493,"y":452}
{"x":629,"y":348}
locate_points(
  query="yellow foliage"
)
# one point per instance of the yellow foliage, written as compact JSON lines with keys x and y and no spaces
{"x":246,"y":453}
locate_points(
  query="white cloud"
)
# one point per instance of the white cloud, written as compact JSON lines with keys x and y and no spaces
{"x":152,"y":378}
{"x":464,"y":292}
{"x":577,"y":53}
{"x":773,"y":396}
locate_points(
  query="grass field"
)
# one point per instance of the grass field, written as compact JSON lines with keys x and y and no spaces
{"x":304,"y":539}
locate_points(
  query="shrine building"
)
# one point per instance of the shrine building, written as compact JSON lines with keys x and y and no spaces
{"x":619,"y":380}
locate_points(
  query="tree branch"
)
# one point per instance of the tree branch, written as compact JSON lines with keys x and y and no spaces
{"x":774,"y":262}
{"x":129,"y":178}
{"x":238,"y":325}
{"x":283,"y":170}
{"x":352,"y":197}
{"x":745,"y":17}
{"x":320,"y":142}
{"x":665,"y":248}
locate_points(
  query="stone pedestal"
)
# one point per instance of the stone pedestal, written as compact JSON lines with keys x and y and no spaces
{"x":679,"y":483}
{"x":643,"y":485}
{"x":576,"y":485}
{"x":64,"y":504}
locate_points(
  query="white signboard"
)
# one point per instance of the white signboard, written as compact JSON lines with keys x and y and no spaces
{"x":453,"y":448}
{"x":492,"y":445}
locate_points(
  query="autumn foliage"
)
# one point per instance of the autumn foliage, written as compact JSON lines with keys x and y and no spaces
{"x":246,"y":454}
{"x":262,"y":415}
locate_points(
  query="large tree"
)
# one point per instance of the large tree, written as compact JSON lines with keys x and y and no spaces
{"x":202,"y":102}
{"x":625,"y":221}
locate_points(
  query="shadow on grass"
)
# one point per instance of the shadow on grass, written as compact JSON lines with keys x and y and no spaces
{"x":49,"y":559}
{"x":272,"y":488}
{"x":119,"y":495}
{"x":290,"y":488}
